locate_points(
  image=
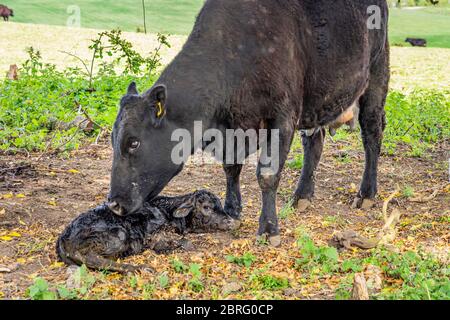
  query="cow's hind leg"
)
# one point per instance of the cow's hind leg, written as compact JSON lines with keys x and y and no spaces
{"x":312,"y":148}
{"x":273,"y":157}
{"x":372,"y":121}
{"x":233,"y":205}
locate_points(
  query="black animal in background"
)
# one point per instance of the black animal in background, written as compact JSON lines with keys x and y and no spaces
{"x":6,"y":12}
{"x":417,"y":42}
{"x":97,"y":237}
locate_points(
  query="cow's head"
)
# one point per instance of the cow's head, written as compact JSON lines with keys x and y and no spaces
{"x":11,"y":12}
{"x":141,"y":141}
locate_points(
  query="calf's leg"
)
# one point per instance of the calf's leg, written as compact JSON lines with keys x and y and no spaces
{"x":372,"y":121}
{"x":233,"y":205}
{"x":312,"y":148}
{"x":269,"y":178}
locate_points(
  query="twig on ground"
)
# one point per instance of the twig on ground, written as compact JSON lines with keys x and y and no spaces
{"x":430,"y":197}
{"x":86,"y":114}
{"x":387,"y":234}
{"x":387,"y":201}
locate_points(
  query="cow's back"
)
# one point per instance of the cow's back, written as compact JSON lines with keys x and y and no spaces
{"x":255,"y":59}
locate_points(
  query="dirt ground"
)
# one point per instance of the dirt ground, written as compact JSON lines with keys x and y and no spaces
{"x":40,"y":197}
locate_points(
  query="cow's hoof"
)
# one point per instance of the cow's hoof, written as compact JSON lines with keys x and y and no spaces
{"x":303,"y":205}
{"x":274,"y":241}
{"x":364,"y":204}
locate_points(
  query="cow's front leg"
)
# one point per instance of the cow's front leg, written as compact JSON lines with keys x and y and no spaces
{"x":312,"y":148}
{"x":273,"y":157}
{"x":233,"y":206}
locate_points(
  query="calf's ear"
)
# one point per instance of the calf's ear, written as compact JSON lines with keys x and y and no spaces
{"x":184,"y":210}
{"x":157,"y":100}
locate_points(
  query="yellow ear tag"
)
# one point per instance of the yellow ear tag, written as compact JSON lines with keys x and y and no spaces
{"x":160,"y":111}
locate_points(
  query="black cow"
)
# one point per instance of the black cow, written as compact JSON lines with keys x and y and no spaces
{"x":6,"y":12}
{"x":417,"y":42}
{"x":287,"y":65}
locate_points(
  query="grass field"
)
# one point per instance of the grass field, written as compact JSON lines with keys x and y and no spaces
{"x":432,"y":24}
{"x":168,"y":16}
{"x":177,"y":17}
{"x":411,"y":67}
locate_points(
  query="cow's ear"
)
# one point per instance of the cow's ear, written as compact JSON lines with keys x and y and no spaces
{"x":157,"y":97}
{"x":184,"y":210}
{"x":132,"y":89}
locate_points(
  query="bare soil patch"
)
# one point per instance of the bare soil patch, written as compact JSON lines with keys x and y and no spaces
{"x":37,"y":200}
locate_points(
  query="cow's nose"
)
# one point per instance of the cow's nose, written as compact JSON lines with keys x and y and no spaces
{"x":115,"y":208}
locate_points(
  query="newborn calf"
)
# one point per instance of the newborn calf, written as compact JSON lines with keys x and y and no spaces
{"x":97,"y":237}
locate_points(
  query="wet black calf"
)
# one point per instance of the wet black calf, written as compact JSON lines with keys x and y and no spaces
{"x":97,"y":237}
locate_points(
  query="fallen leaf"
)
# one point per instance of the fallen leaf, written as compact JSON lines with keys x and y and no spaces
{"x":231,"y":287}
{"x":6,"y":238}
{"x":7,"y":196}
{"x":52,"y":203}
{"x":74,"y":171}
{"x":14,"y":234}
{"x":20,"y":195}
{"x":2,"y":211}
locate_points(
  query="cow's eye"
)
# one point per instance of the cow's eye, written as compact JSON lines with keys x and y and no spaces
{"x":134,"y":145}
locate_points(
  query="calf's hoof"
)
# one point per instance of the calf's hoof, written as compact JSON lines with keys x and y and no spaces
{"x":234,"y":224}
{"x":274,"y":241}
{"x":365,"y":204}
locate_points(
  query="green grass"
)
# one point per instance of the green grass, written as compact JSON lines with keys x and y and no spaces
{"x":168,"y":16}
{"x":432,"y":24}
{"x":178,"y":16}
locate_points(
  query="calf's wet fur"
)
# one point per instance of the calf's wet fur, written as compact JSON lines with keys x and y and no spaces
{"x":98,"y":237}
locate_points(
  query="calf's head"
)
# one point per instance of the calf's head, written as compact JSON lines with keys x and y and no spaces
{"x":204,"y":213}
{"x":142,"y":146}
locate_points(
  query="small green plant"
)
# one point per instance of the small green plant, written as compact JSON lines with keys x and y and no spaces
{"x":417,"y":120}
{"x":296,"y":163}
{"x":245,"y":260}
{"x":422,"y":276}
{"x":84,"y":279}
{"x":322,"y":259}
{"x":270,"y":282}
{"x":408,"y":192}
{"x":351,"y":265}
{"x":194,"y":269}
{"x":133,"y":281}
{"x":343,"y":157}
{"x":287,"y":210}
{"x":179,"y":266}
{"x":147,"y":290}
{"x":163,"y":281}
{"x":344,"y":290}
{"x":40,"y":290}
{"x":195,"y":283}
